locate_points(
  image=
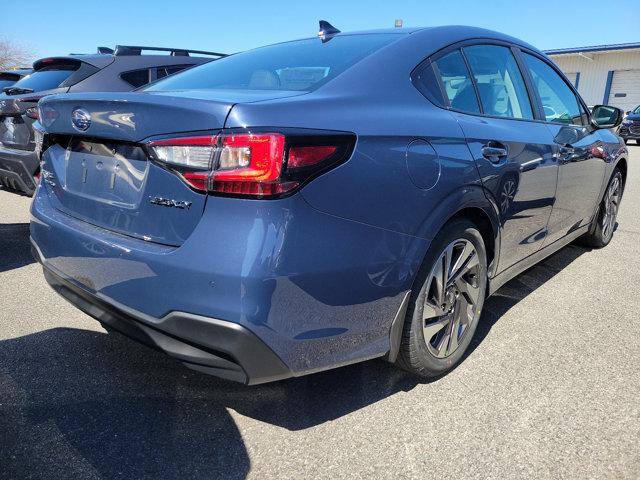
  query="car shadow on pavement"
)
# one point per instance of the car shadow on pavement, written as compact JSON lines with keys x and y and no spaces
{"x":78,"y":403}
{"x":15,"y":247}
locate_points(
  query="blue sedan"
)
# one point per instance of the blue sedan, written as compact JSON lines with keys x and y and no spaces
{"x":324,"y":201}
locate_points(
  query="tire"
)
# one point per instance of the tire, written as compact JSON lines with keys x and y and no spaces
{"x":637,"y":141}
{"x":626,"y":141}
{"x":430,"y":355}
{"x":602,"y":232}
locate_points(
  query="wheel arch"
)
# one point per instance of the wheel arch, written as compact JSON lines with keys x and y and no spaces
{"x":473,"y":205}
{"x":622,"y":166}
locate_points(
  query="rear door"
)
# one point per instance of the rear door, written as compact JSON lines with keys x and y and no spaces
{"x":487,"y":93}
{"x":578,"y":149}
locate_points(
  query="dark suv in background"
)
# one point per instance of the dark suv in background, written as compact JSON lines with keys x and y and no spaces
{"x":9,"y":77}
{"x":119,"y":70}
{"x":630,"y":127}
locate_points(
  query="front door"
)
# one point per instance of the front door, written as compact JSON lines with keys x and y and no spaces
{"x":577,"y":148}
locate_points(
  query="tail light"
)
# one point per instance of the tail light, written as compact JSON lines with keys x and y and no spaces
{"x":32,"y":113}
{"x":252,"y":164}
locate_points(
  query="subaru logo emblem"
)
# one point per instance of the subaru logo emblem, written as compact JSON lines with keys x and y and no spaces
{"x":80,"y":119}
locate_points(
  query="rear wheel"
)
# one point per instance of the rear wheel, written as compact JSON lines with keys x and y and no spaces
{"x":445,"y":309}
{"x":602,"y":232}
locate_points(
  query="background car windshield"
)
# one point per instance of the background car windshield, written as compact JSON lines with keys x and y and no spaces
{"x":46,"y":78}
{"x":637,"y":110}
{"x":300,"y":65}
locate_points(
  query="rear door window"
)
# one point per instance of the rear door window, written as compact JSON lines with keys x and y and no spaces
{"x":137,"y":78}
{"x":162,"y":72}
{"x":501,"y":87}
{"x":456,"y":82}
{"x":559,"y":103}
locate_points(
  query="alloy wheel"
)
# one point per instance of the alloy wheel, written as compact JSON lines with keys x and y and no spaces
{"x":452,"y":294}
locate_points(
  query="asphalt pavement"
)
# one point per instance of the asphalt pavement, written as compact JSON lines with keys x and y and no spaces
{"x":550,"y":388}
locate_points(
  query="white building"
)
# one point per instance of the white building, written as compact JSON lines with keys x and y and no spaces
{"x":605,"y":74}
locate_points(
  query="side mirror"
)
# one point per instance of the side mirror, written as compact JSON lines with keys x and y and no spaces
{"x":605,"y":116}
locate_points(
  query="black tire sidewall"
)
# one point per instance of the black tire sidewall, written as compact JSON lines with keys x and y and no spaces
{"x":421,"y":360}
{"x":599,"y":239}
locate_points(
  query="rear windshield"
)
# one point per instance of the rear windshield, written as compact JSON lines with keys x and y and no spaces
{"x":6,"y":83}
{"x":47,"y":77}
{"x":299,"y":65}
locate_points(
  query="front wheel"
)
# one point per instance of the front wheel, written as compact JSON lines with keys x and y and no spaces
{"x":602,"y":232}
{"x":447,"y":301}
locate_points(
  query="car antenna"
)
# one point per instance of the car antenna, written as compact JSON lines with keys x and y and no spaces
{"x":327,"y":31}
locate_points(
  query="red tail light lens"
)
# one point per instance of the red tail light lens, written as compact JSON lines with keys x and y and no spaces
{"x":300,"y":157}
{"x":250,"y":164}
{"x":32,"y":113}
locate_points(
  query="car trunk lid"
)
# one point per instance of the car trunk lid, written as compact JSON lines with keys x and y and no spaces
{"x":99,"y":169}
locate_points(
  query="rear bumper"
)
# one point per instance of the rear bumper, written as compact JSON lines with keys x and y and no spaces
{"x":209,"y":345}
{"x":17,"y":168}
{"x":298,"y":279}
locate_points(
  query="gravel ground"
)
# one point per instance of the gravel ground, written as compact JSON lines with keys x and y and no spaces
{"x":549,"y":390}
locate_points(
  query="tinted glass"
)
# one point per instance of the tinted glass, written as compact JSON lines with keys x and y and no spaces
{"x":457,"y":83}
{"x":558,"y":101}
{"x":46,"y":78}
{"x":300,"y":65}
{"x":166,"y":71}
{"x":500,"y":84}
{"x":637,"y":110}
{"x":136,"y":78}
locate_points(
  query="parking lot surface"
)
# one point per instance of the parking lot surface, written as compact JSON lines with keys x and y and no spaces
{"x":550,"y":388}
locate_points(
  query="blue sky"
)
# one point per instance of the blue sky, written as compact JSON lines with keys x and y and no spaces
{"x":57,"y":27}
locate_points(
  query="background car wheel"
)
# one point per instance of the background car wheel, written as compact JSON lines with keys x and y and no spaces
{"x":447,"y":301}
{"x":637,"y":141}
{"x":602,"y":232}
{"x":626,"y":141}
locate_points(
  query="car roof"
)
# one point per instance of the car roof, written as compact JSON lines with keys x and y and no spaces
{"x":437,"y":36}
{"x":447,"y":33}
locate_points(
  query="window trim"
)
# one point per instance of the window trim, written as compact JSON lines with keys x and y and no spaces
{"x":474,"y":82}
{"x":517,"y":51}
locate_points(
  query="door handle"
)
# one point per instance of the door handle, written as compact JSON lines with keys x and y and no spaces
{"x":565,"y":154}
{"x":566,"y":150}
{"x":494,"y":151}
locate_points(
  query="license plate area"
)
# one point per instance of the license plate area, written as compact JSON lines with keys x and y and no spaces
{"x":113,"y":173}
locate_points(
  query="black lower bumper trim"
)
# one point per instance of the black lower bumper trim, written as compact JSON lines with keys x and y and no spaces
{"x":17,"y":168}
{"x":217,"y":347}
{"x":15,"y":181}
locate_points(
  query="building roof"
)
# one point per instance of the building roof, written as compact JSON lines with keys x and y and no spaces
{"x":594,"y":48}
